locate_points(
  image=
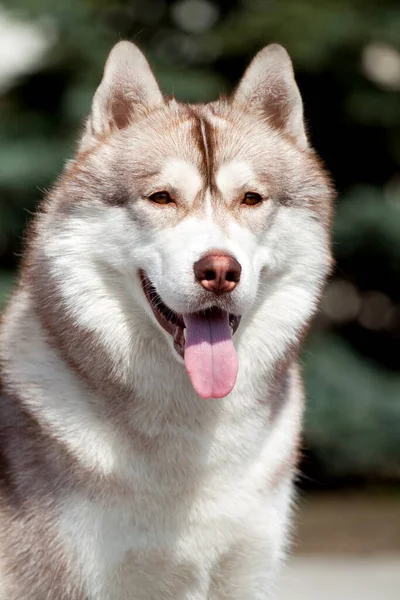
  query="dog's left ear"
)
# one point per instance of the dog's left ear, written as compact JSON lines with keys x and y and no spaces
{"x":269,"y":88}
{"x":127,"y":89}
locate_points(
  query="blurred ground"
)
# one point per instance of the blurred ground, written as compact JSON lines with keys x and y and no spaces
{"x":347,"y":548}
{"x":347,"y":578}
{"x":363,"y":523}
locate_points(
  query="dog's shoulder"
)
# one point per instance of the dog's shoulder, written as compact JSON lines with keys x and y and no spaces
{"x":31,"y":460}
{"x":16,"y":429}
{"x":32,"y":467}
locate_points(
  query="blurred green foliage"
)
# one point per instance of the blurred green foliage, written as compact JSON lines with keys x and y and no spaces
{"x":352,"y":422}
{"x":346,"y":55}
{"x":6,"y":285}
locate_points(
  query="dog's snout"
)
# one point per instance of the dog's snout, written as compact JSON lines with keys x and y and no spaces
{"x":218,"y":273}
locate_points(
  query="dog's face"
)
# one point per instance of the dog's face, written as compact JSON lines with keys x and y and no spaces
{"x":204,"y":212}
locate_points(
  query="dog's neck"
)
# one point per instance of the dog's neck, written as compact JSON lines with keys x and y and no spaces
{"x":160,"y":402}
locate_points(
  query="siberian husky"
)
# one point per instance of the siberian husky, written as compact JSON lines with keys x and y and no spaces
{"x":151,"y":399}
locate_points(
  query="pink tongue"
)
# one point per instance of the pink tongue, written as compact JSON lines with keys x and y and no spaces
{"x":210,"y":357}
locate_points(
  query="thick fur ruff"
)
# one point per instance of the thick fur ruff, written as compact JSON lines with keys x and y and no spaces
{"x":117,"y":481}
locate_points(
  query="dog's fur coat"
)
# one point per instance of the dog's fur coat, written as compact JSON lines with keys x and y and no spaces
{"x":118,"y":482}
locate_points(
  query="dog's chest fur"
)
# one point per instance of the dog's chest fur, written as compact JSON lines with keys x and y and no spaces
{"x":168,"y":539}
{"x":121,"y":550}
{"x":165,"y":505}
{"x":173,"y":544}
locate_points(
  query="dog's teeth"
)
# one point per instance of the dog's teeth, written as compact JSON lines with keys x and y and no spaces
{"x":184,"y":333}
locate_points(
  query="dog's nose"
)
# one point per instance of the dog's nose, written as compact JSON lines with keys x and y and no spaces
{"x":218,"y":273}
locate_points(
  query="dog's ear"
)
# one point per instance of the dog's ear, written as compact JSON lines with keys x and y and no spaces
{"x":269,"y":88}
{"x":128,"y":88}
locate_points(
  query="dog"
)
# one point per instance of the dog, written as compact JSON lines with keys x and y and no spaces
{"x":151,"y":397}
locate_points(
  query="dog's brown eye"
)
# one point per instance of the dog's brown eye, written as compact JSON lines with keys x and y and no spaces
{"x":161,"y":198}
{"x":251,"y":199}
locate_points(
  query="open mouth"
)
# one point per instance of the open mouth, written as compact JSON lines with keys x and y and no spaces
{"x":203,"y":339}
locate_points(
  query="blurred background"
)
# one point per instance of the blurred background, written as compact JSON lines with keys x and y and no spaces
{"x":346,"y":55}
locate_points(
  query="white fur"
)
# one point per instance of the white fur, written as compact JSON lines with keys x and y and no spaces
{"x":233,"y":176}
{"x":38,"y":372}
{"x":204,"y":514}
{"x":182,"y":175}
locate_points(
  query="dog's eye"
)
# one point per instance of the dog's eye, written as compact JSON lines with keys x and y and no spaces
{"x":161,"y":198}
{"x":251,"y":199}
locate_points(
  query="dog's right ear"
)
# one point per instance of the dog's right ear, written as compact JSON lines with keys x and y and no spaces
{"x":128,"y":88}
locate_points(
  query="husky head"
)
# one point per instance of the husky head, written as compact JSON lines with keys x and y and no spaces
{"x":208,"y":221}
